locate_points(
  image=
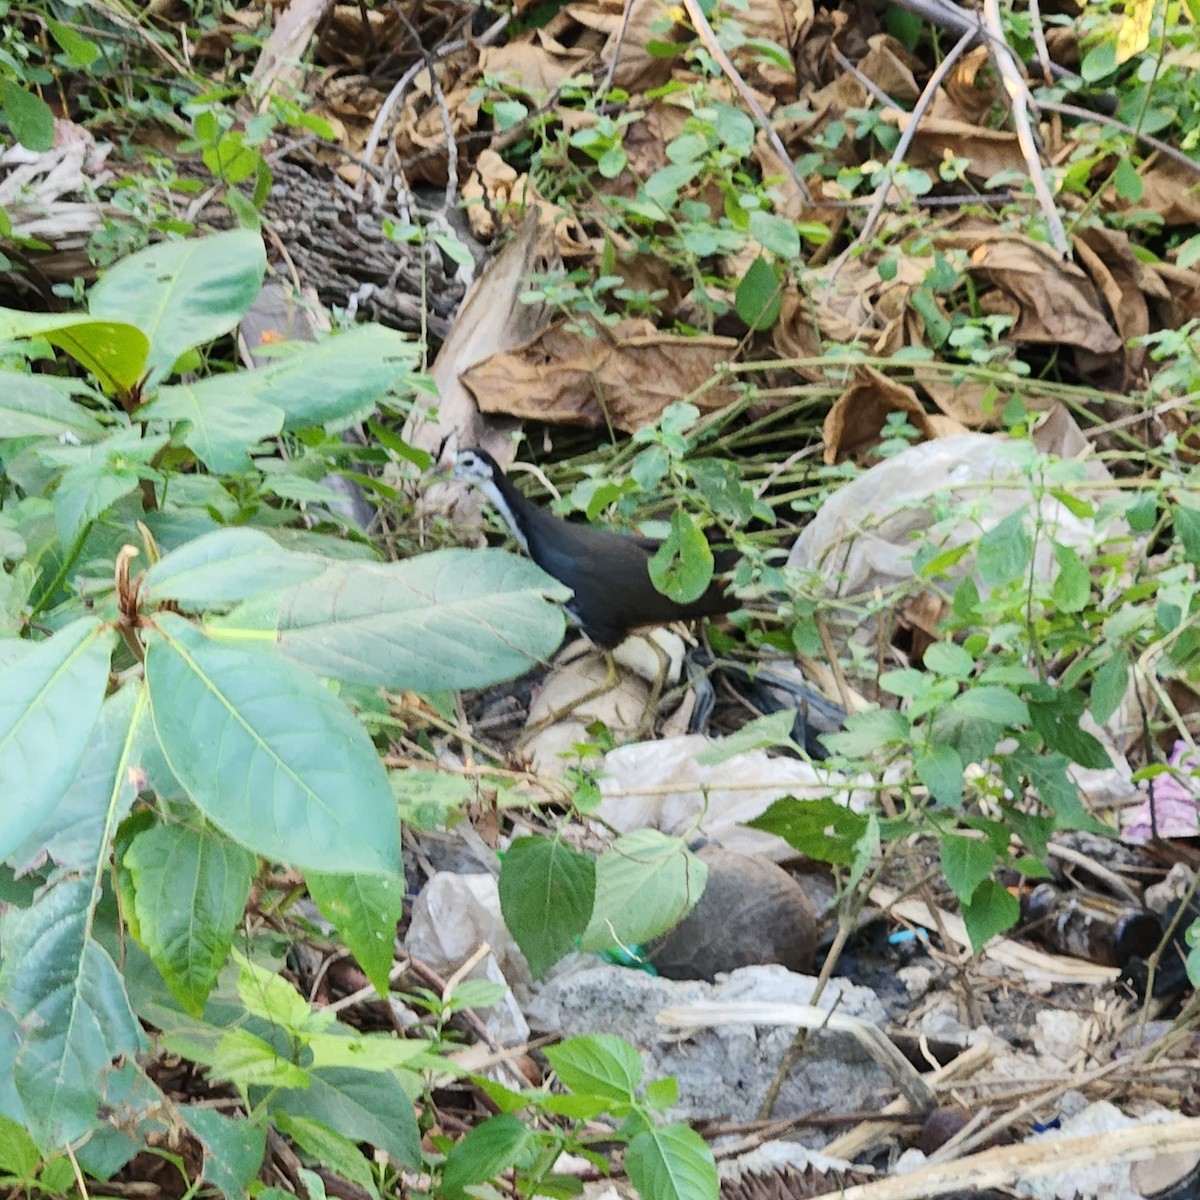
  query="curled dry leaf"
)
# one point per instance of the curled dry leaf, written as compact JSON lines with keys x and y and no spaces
{"x":1168,"y":189}
{"x":967,"y":95}
{"x":631,"y":373}
{"x":891,"y":68}
{"x":854,"y":422}
{"x":649,"y":20}
{"x":1106,"y":256}
{"x":987,"y":151}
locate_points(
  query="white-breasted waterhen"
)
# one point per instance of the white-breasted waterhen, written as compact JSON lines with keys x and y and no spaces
{"x":608,"y":572}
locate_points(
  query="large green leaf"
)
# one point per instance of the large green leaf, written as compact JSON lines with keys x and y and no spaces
{"x":190,"y":887}
{"x":183,"y":294}
{"x":71,"y":1009}
{"x":30,"y":407}
{"x":49,"y":701}
{"x":225,"y":418}
{"x":451,"y":619}
{"x":233,"y":1147}
{"x":364,"y":1105}
{"x":546,"y":894}
{"x":225,"y":567}
{"x":365,"y":910}
{"x":646,"y":883}
{"x":337,"y":378}
{"x":598,"y":1064}
{"x":113,"y":351}
{"x":671,"y":1163}
{"x":77,"y":832}
{"x":269,"y":755}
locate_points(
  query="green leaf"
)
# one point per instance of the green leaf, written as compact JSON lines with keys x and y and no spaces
{"x":80,"y":51}
{"x":73,"y":1017}
{"x":682,"y":567}
{"x":451,"y":619}
{"x":50,"y":698}
{"x":1073,"y":584}
{"x":225,"y":420}
{"x":546,"y":895}
{"x":1055,"y":714}
{"x":671,"y":1163}
{"x":776,"y":234}
{"x":940,"y":769}
{"x":1127,"y":181}
{"x":991,"y":910}
{"x":1187,"y":530}
{"x":225,"y":567}
{"x":759,"y":297}
{"x":365,"y":910}
{"x":269,"y":755}
{"x":949,"y":660}
{"x":233,"y":1147}
{"x":190,"y":886}
{"x":966,"y":863}
{"x":995,"y":704}
{"x":182,"y":294}
{"x":77,"y":833}
{"x":1109,"y":685}
{"x":775,"y":729}
{"x":867,"y":732}
{"x":329,"y":1149}
{"x":823,"y":829}
{"x":32,"y":407}
{"x":84,"y":493}
{"x":598,"y":1064}
{"x":646,"y":883}
{"x":18,"y":1154}
{"x":1005,"y":551}
{"x":364,"y":1105}
{"x":1048,"y":777}
{"x":244,"y":1059}
{"x":29,"y":117}
{"x":491,"y":1147}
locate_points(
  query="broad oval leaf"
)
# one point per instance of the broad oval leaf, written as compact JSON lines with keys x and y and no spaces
{"x":598,"y":1064}
{"x":546,"y":894}
{"x":365,"y":910}
{"x":269,"y":755}
{"x":31,"y":407}
{"x":182,"y":294}
{"x":49,"y":701}
{"x":646,"y":883}
{"x":224,"y":567}
{"x":190,"y":889}
{"x":71,"y":1008}
{"x":672,"y":1162}
{"x":113,"y":351}
{"x":451,"y":619}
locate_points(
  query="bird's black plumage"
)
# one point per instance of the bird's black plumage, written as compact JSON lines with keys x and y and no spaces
{"x":608,"y":571}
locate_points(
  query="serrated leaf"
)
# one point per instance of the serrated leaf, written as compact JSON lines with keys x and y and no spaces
{"x":598,"y":1064}
{"x":646,"y":883}
{"x":966,"y":863}
{"x":491,"y":1147}
{"x":365,"y":910}
{"x":1109,"y":685}
{"x":949,"y":660}
{"x":72,"y":1013}
{"x":774,"y":729}
{"x":233,"y":1147}
{"x":30,"y":118}
{"x":245,"y":1060}
{"x":1056,"y":717}
{"x":546,"y":895}
{"x":991,"y":910}
{"x":823,"y":829}
{"x":867,"y":732}
{"x":1187,"y":530}
{"x":365,"y":1105}
{"x":330,"y":1149}
{"x":182,"y":294}
{"x":225,"y":567}
{"x":940,"y":769}
{"x":50,"y":698}
{"x":671,"y":1163}
{"x":190,"y":886}
{"x":268,"y":995}
{"x":1005,"y":551}
{"x":1072,"y":586}
{"x":450,"y":619}
{"x":269,"y":755}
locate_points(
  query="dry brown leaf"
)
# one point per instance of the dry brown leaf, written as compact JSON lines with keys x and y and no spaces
{"x":537,"y":66}
{"x":891,"y":68}
{"x":853,"y":424}
{"x":988,"y":151}
{"x":422,"y":127}
{"x":778,"y":21}
{"x":965,"y":96}
{"x":649,"y":20}
{"x":1106,"y":256}
{"x":1181,"y":302}
{"x":631,"y":373}
{"x":1168,"y":189}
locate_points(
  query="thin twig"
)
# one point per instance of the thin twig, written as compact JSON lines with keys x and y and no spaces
{"x":906,"y":137}
{"x":1019,"y":100}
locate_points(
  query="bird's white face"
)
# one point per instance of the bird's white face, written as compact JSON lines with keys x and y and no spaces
{"x":470,"y":467}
